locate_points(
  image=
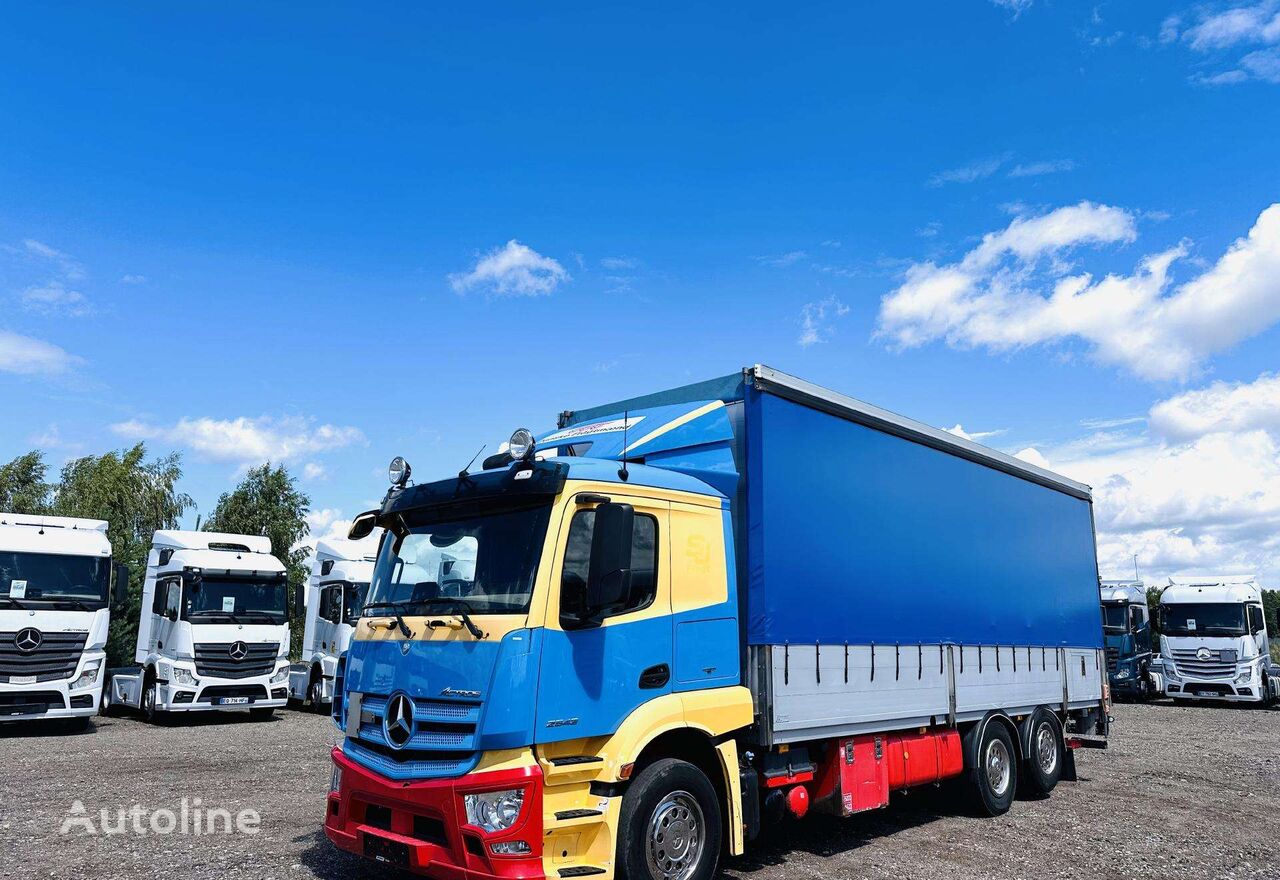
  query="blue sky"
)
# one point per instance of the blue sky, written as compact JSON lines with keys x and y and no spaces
{"x":328,"y":236}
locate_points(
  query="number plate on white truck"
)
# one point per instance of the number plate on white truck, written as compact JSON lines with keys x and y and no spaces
{"x":233,"y":701}
{"x":22,"y":679}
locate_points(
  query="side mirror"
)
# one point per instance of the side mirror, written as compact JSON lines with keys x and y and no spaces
{"x":172,"y":614}
{"x":363,"y":525}
{"x":120,"y":589}
{"x":609,"y":574}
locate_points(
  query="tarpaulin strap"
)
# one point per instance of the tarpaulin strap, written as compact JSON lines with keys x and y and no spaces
{"x":920,"y":658}
{"x":1014,"y":652}
{"x":940,"y":658}
{"x":873,"y":661}
{"x":817,"y":660}
{"x":786,"y":663}
{"x":846,"y":662}
{"x":897,"y":661}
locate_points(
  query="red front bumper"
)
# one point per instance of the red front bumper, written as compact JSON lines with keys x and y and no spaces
{"x":426,"y":823}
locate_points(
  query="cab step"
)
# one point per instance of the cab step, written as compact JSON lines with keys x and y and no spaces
{"x":581,"y":871}
{"x":565,"y":815}
{"x":570,"y":760}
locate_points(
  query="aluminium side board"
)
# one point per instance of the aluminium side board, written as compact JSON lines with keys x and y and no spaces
{"x":891,"y":575}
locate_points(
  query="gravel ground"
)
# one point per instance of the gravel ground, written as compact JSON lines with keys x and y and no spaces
{"x":1183,"y":792}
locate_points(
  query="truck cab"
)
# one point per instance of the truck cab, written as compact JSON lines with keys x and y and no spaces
{"x":1126,"y":628}
{"x":56,"y":589}
{"x":332,"y":596}
{"x":214,"y":628}
{"x":1215,"y":644}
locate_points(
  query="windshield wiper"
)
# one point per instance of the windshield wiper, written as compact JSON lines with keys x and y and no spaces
{"x":232,"y":616}
{"x":399,"y":608}
{"x":462,"y":612}
{"x":12,"y":601}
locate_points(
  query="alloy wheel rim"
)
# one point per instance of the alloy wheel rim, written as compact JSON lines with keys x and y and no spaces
{"x":675,"y":841}
{"x":1046,"y":749}
{"x":999,"y":770}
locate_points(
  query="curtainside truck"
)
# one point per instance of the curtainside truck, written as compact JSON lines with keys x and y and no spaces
{"x":1126,"y":627}
{"x":332,"y":596}
{"x":56,"y":593}
{"x":683,"y":615}
{"x":1214,"y":640}
{"x":213,"y":632}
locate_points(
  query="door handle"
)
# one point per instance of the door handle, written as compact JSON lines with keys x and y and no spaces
{"x":655,"y":677}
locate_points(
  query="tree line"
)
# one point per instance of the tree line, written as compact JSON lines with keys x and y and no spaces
{"x":138,"y":496}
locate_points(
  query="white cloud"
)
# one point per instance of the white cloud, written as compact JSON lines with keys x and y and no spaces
{"x":247,"y":441}
{"x":133,"y":279}
{"x":34,"y":357}
{"x":1217,"y":30}
{"x":70,"y":268}
{"x":616,"y":264}
{"x":1017,"y":7}
{"x":817,"y":320}
{"x":1036,"y":169}
{"x":968,"y":173}
{"x":55,"y":299}
{"x":1199,"y":490}
{"x":781,"y":261}
{"x":1016,"y":289}
{"x":512,"y":270}
{"x":313,"y":470}
{"x":975,"y":436}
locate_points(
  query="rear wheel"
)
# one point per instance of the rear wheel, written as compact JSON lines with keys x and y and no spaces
{"x":1043,"y":767}
{"x":993,"y":768}
{"x":670,"y":826}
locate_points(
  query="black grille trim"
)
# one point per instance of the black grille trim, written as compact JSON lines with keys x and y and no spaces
{"x":56,"y":658}
{"x":213,"y":660}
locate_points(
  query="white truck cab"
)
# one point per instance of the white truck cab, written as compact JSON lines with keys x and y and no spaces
{"x":214,"y":628}
{"x":1215,"y":644}
{"x":333,"y":595}
{"x":55,"y":595}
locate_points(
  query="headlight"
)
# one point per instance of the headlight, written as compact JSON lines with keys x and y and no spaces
{"x":521,"y":444}
{"x":335,"y":781}
{"x":1122,"y":674}
{"x":1245,"y":674}
{"x":280,"y":675}
{"x":398,"y":472}
{"x":494,"y":810}
{"x":182,"y":676}
{"x":89,"y":676}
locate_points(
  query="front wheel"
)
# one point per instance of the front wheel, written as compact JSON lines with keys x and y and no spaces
{"x":670,"y":826}
{"x":105,"y":704}
{"x":993,"y":768}
{"x":315,"y":693}
{"x":151,"y":702}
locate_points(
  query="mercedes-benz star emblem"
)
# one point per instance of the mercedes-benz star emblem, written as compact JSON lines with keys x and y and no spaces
{"x":1204,"y":654}
{"x":397,"y":724}
{"x":28,"y":640}
{"x":238,"y":651}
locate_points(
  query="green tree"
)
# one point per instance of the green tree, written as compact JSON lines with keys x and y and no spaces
{"x":268,"y":502}
{"x":22,"y":484}
{"x":137,"y":498}
{"x":1271,"y":607}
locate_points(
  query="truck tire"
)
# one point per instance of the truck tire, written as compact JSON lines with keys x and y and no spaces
{"x":992,"y":759}
{"x":150,"y":699}
{"x":670,"y":827}
{"x":315,"y":693}
{"x":1042,"y":769}
{"x":106,"y":705}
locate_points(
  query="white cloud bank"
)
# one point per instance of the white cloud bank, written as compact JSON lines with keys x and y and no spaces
{"x":1198,"y":490}
{"x":818,"y":319}
{"x":247,"y":441}
{"x":1017,"y":289}
{"x":33,"y":357}
{"x":512,"y":270}
{"x":1216,"y":31}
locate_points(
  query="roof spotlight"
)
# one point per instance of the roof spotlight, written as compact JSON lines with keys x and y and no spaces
{"x":398,"y":472}
{"x":521,"y":445}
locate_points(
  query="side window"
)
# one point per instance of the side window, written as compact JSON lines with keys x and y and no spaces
{"x":644,"y":561}
{"x":333,"y":603}
{"x":1257,"y":623}
{"x":323,"y":611}
{"x":173,"y":601}
{"x":160,"y":596}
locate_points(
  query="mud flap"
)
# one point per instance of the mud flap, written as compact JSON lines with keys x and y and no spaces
{"x":1069,"y":766}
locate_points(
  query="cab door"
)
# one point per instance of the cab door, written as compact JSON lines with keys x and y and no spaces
{"x":327,"y":617}
{"x":592,"y":679}
{"x":166,"y":609}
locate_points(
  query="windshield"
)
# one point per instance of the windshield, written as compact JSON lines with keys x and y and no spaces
{"x":1202,"y":619}
{"x":488,"y":562}
{"x":259,"y":599}
{"x":1115,"y":618}
{"x":50,"y":577}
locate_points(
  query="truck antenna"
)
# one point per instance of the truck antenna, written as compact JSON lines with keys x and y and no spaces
{"x":198,"y":522}
{"x":1135,"y":568}
{"x":622,"y":471}
{"x":465,"y":472}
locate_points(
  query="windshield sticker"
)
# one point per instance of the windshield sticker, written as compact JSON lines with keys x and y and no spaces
{"x":228,"y":603}
{"x":593,"y":429}
{"x":1191,"y":623}
{"x":17,"y":589}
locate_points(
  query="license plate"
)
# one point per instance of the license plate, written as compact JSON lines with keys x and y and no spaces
{"x":233,"y":701}
{"x":389,"y":852}
{"x":22,"y":679}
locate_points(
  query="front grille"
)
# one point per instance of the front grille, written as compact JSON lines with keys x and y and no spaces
{"x":1113,"y":659}
{"x":1216,"y":666}
{"x":214,"y":660}
{"x":442,"y":743}
{"x":30,"y":702}
{"x":56,"y":657}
